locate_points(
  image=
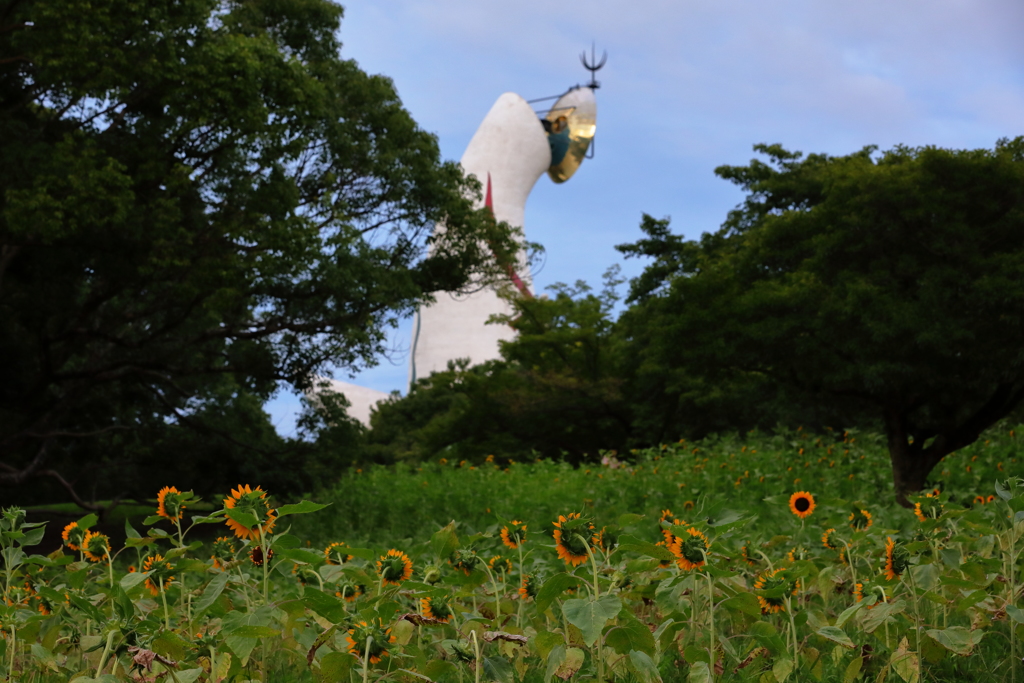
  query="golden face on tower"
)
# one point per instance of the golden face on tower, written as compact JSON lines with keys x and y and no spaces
{"x":570,"y":125}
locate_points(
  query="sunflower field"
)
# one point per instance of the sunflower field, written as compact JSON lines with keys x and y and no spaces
{"x":766,"y":559}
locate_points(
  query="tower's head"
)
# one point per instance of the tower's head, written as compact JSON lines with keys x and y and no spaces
{"x":570,"y":126}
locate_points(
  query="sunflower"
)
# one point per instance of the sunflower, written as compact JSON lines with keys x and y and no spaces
{"x":828,"y":539}
{"x":667,"y":516}
{"x":858,"y":592}
{"x":96,"y":546}
{"x":801,"y":504}
{"x":436,"y":608}
{"x":394,"y":567}
{"x":514,"y":535}
{"x":919,"y":513}
{"x":605,"y":539}
{"x":690,"y":552}
{"x":160,"y":573}
{"x":373,"y":633}
{"x":73,"y":535}
{"x":745,"y":552}
{"x":897,"y":559}
{"x":170,"y":503}
{"x":528,"y":588}
{"x":769,"y":596}
{"x":570,"y":538}
{"x":253,"y":501}
{"x":465,"y":561}
{"x":223,"y":552}
{"x":335,"y":553}
{"x":990,"y":499}
{"x":256,"y":555}
{"x":860,"y":519}
{"x":979,"y":500}
{"x":501,"y":565}
{"x":349,"y":591}
{"x":305,"y":574}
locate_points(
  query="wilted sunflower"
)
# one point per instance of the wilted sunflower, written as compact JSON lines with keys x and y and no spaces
{"x":394,"y":567}
{"x":897,"y":559}
{"x":223,"y":552}
{"x":256,"y":555}
{"x":436,"y":608}
{"x":335,"y":553}
{"x":96,"y":546}
{"x":690,"y":552}
{"x":860,"y":519}
{"x":73,"y":535}
{"x":769,"y":596}
{"x":160,"y":573}
{"x":528,"y":588}
{"x":801,"y":504}
{"x":501,"y":565}
{"x":253,"y":501}
{"x":570,"y":538}
{"x":170,"y":503}
{"x":373,"y":632}
{"x":514,"y":535}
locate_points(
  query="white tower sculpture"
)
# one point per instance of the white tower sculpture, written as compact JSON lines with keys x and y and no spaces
{"x":508,"y":154}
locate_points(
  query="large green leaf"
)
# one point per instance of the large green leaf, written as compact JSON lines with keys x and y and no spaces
{"x":329,"y":607}
{"x":630,"y":634}
{"x":590,"y":615}
{"x":299,"y":508}
{"x":445,"y":541}
{"x":553,"y":587}
{"x":836,"y":635}
{"x":636,"y":545}
{"x":644,"y":667}
{"x":957,"y":639}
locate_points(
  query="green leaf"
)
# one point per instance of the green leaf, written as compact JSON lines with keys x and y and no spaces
{"x":767,"y":637}
{"x":545,"y":641}
{"x":211,"y":592}
{"x":957,"y":639}
{"x":302,"y":508}
{"x":630,"y":634}
{"x":45,"y":657}
{"x":129,"y":530}
{"x":782,"y":668}
{"x":152,"y":519}
{"x":1015,"y":613}
{"x":33,"y":537}
{"x":699,"y":673}
{"x":1002,"y":491}
{"x":187,"y":675}
{"x":252,"y":631}
{"x":139,"y":542}
{"x":328,"y":606}
{"x":334,"y":666}
{"x":628,"y":519}
{"x":836,"y":635}
{"x":852,"y":672}
{"x":590,"y":615}
{"x":13,"y":557}
{"x":132,"y":579}
{"x":87,"y":521}
{"x":873,"y":618}
{"x":445,"y":541}
{"x":635,"y":545}
{"x":571,"y":663}
{"x":847,"y":613}
{"x":243,"y":517}
{"x":498,"y":669}
{"x":743,"y":602}
{"x":554,"y":587}
{"x":905,"y":663}
{"x":644,"y":667}
{"x":555,"y":659}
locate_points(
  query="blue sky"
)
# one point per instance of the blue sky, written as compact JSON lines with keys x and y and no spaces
{"x":689,"y":85}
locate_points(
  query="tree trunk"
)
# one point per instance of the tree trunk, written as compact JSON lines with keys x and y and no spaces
{"x":911,"y":463}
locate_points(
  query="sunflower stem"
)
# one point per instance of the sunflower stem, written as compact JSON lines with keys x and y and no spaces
{"x":366,"y":658}
{"x":593,"y":564}
{"x":849,"y":558}
{"x":711,"y":613}
{"x":522,"y":577}
{"x":103,"y":657}
{"x":497,"y":595}
{"x":163,"y":599}
{"x":917,"y":624}
{"x":477,"y":664}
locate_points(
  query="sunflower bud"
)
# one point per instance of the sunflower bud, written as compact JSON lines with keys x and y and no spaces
{"x":432,"y":574}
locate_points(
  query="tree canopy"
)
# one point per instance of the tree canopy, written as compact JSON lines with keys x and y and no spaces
{"x":890,"y":283}
{"x":200,"y":200}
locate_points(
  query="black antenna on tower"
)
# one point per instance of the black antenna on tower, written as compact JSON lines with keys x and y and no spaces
{"x":593,"y":66}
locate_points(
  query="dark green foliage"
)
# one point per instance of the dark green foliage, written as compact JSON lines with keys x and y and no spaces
{"x":199,"y":200}
{"x":556,"y":391}
{"x":885,"y":284}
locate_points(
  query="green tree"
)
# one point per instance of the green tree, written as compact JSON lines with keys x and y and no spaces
{"x":199,"y":201}
{"x":555,"y":392}
{"x":890,"y":283}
